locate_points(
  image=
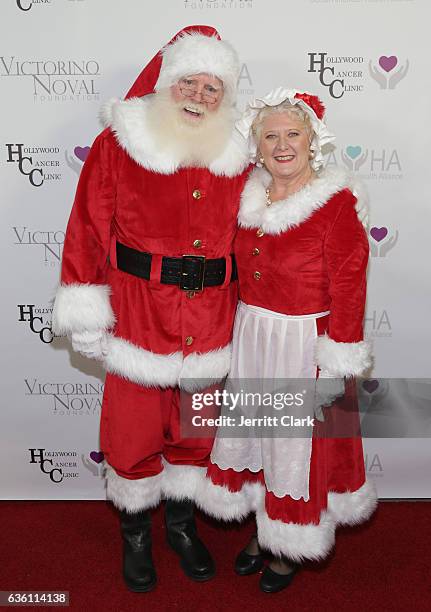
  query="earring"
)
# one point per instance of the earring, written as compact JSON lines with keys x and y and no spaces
{"x":312,"y":154}
{"x":261,"y":159}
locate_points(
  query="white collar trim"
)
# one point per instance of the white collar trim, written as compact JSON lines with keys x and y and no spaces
{"x":297,"y":208}
{"x":128,"y":119}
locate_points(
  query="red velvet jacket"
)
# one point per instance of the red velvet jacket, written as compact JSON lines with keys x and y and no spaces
{"x":129,"y":192}
{"x":308,"y":254}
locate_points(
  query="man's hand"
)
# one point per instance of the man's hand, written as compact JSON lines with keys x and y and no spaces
{"x":91,"y":344}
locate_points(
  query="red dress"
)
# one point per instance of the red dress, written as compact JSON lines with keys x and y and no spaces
{"x":310,"y":252}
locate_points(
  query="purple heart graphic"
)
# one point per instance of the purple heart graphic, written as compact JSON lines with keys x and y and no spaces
{"x":370,"y":385}
{"x":81,"y":152}
{"x":97,"y":456}
{"x":388,"y":63}
{"x":378,"y":233}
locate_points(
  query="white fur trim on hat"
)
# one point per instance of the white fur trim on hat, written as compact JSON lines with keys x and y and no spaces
{"x":82,"y":307}
{"x":132,"y":495}
{"x":343,"y":358}
{"x":322,"y":136}
{"x":195,"y":53}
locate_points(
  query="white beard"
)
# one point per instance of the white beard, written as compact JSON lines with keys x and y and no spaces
{"x":194,"y":143}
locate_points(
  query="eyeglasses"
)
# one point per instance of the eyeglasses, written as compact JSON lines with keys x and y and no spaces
{"x":209,"y":93}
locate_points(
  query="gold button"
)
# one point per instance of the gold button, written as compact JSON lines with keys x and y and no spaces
{"x":260,"y":232}
{"x":197,"y":194}
{"x":255,"y":251}
{"x":190,"y":294}
{"x":189,"y":340}
{"x":197,"y":244}
{"x":257,"y":275}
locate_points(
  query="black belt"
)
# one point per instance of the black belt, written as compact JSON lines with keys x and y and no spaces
{"x":189,"y":272}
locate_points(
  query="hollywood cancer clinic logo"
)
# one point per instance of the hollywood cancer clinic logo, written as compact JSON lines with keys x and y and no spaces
{"x":27,"y":5}
{"x":341,"y":74}
{"x":56,"y":465}
{"x":60,"y":466}
{"x":39,"y":320}
{"x":41,"y":164}
{"x":37,"y":164}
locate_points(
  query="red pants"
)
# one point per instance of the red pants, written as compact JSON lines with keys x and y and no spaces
{"x":140,"y":425}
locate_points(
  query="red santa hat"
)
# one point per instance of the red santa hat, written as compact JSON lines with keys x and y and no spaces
{"x":193,"y":50}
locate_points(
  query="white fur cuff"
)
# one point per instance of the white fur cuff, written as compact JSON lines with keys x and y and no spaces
{"x":200,"y":370}
{"x":343,"y":358}
{"x":221,"y":503}
{"x":296,"y":541}
{"x":353,"y":508}
{"x":181,"y":481}
{"x":132,"y":495}
{"x":79,"y":308}
{"x":141,"y":366}
{"x":193,"y":372}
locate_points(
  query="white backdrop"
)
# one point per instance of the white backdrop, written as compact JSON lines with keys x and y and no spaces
{"x":59,"y":59}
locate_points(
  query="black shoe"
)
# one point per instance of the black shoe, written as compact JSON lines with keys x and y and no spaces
{"x":138,"y":569}
{"x":246,"y":564}
{"x":271,"y":582}
{"x":182,"y":537}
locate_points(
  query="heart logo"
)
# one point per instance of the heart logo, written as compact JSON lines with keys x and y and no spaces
{"x":353,"y":152}
{"x":378,"y":233}
{"x":370,"y":385}
{"x":97,"y":456}
{"x":81,"y":152}
{"x":388,"y":63}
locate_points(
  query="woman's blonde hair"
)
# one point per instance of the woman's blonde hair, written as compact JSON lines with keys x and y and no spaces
{"x":284,"y":107}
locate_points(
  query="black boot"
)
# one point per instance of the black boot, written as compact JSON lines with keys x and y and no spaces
{"x":184,"y":540}
{"x":138,"y":569}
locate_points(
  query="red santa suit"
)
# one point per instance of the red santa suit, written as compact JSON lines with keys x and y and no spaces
{"x":158,"y":336}
{"x":302,"y":272}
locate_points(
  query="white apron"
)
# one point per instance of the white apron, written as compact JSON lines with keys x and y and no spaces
{"x":270,"y":345}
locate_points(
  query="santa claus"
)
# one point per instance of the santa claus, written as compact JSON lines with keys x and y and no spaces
{"x":148,"y":282}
